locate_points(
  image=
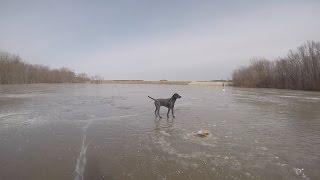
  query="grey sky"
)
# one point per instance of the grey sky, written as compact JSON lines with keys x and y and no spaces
{"x":148,"y":39}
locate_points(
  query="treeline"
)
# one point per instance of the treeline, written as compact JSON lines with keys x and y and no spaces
{"x":14,"y":71}
{"x":300,"y":69}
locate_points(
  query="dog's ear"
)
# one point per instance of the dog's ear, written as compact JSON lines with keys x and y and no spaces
{"x":176,"y":95}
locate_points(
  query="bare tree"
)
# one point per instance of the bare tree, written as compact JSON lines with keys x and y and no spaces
{"x":14,"y":71}
{"x":300,"y":69}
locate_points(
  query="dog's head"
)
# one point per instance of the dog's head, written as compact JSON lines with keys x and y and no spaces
{"x":176,"y":96}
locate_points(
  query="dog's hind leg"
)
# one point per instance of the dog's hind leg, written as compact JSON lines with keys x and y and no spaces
{"x":155,"y":112}
{"x":156,"y":104}
{"x":159,"y":112}
{"x":168,"y":112}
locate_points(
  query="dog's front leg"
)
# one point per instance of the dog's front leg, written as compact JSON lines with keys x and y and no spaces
{"x":172,"y":111}
{"x":168,"y":112}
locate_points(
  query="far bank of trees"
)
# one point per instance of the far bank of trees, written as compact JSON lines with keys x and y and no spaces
{"x":14,"y":71}
{"x":300,"y":69}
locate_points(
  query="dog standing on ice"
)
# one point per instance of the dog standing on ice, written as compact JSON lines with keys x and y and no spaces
{"x":168,"y":103}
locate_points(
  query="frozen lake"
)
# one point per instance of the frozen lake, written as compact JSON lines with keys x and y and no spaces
{"x":108,"y":131}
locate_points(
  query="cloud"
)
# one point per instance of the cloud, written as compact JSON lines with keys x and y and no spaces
{"x":200,"y":43}
{"x":211,"y":50}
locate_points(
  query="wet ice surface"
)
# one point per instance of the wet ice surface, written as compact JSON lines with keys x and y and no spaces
{"x":87,"y":131}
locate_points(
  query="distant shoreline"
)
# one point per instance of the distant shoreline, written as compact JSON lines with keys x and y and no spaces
{"x":161,"y":82}
{"x":165,"y":82}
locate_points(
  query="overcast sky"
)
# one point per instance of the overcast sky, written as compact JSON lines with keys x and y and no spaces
{"x":155,"y":39}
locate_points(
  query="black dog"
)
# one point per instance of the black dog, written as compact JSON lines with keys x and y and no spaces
{"x":169,"y":103}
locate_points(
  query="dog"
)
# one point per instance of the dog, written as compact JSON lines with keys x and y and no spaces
{"x":168,"y":103}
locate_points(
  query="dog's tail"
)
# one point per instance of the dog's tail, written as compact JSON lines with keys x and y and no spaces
{"x":152,"y":98}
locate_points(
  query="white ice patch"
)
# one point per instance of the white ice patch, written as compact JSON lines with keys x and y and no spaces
{"x":82,"y":158}
{"x":164,"y":133}
{"x":16,"y":95}
{"x":300,"y":172}
{"x":11,"y":114}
